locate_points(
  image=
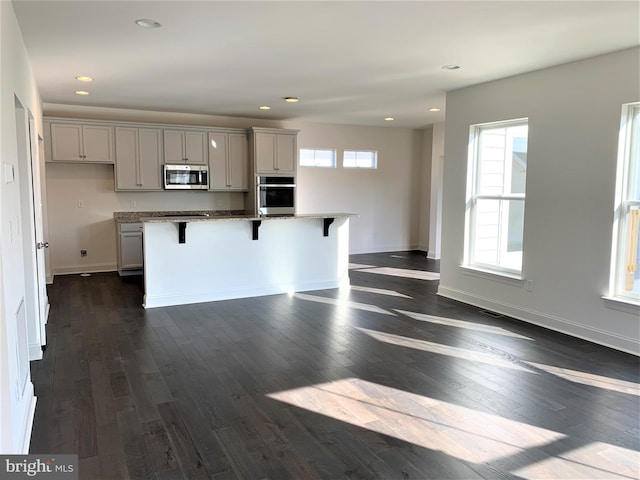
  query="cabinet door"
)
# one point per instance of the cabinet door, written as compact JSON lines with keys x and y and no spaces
{"x":131,"y":250}
{"x":127,"y":159}
{"x":97,"y":142}
{"x":238,"y":164}
{"x":173,"y":146}
{"x":265,"y":152}
{"x":286,"y":153}
{"x":218,"y":161}
{"x":150,"y":159}
{"x":195,"y":148}
{"x":66,"y":143}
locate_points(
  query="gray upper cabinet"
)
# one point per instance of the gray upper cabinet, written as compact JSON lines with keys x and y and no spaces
{"x":228,"y":162}
{"x":73,"y":142}
{"x":238,"y":169}
{"x":138,"y":158}
{"x":274,"y":150}
{"x":185,"y":146}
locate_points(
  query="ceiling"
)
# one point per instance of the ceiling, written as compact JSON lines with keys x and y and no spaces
{"x":348,"y":62}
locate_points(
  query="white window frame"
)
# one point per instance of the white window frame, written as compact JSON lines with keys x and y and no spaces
{"x":628,"y":166}
{"x":469,"y":262}
{"x":316,"y":150}
{"x":372,"y":166}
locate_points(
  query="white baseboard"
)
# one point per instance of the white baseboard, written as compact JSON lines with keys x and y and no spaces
{"x":35,"y":352}
{"x":94,"y":268}
{"x":386,"y":249}
{"x":28,"y":425}
{"x":562,"y":325}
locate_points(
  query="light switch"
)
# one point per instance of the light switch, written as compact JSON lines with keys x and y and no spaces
{"x":9,"y":174}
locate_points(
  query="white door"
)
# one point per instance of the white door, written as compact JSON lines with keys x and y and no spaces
{"x":37,"y":159}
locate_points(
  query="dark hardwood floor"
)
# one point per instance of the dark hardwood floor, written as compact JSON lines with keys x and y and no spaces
{"x":385,"y":380}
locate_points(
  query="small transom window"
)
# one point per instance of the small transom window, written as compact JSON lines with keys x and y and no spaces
{"x":360,"y":159}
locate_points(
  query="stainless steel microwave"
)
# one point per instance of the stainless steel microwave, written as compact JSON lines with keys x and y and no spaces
{"x":186,"y":177}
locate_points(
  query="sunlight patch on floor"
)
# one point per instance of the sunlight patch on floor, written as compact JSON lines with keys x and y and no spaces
{"x":403,"y":272}
{"x":423,"y":317}
{"x":591,"y":379}
{"x":355,"y":266}
{"x":379,"y":291}
{"x":460,"y":432}
{"x":440,"y":349}
{"x":338,"y":302}
{"x":596,"y":460}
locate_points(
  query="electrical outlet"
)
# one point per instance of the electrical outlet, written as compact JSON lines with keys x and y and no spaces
{"x":132,"y":203}
{"x":80,"y":203}
{"x":83,"y":253}
{"x":529,"y":285}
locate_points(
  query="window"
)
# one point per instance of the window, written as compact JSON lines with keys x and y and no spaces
{"x":625,"y":274}
{"x":317,"y":157}
{"x":496,"y":196}
{"x":360,"y":159}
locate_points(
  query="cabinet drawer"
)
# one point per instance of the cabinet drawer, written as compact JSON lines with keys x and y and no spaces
{"x":130,"y":227}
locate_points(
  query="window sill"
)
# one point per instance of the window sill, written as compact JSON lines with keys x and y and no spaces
{"x":627,"y":306}
{"x":502,"y":277}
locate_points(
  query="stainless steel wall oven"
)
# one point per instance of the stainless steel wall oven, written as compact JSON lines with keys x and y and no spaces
{"x":276,"y":195}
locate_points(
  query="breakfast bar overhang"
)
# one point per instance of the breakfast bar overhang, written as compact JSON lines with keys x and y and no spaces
{"x":204,"y":259}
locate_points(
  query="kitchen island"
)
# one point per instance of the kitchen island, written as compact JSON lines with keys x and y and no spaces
{"x":192,"y":259}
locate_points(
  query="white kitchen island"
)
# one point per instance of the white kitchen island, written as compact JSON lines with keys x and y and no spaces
{"x":204,"y":259}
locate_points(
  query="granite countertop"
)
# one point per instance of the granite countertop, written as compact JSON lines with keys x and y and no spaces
{"x":235,"y":217}
{"x":134,"y":217}
{"x":211,"y":215}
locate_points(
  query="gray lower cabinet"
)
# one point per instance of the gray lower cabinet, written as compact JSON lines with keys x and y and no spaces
{"x":130,"y":249}
{"x":138,"y":159}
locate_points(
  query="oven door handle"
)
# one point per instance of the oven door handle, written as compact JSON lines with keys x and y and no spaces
{"x":276,"y":185}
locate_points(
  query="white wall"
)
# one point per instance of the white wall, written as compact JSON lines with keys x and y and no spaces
{"x":387,"y":200}
{"x":574,"y":117}
{"x":425,"y":195}
{"x":435,"y":192}
{"x":17,"y":401}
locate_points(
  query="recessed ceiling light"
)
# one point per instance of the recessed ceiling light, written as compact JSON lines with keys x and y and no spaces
{"x":388,"y":119}
{"x":265,"y":107}
{"x":82,"y":92}
{"x":147,"y":23}
{"x":451,"y":67}
{"x":434,"y":109}
{"x":291,"y":99}
{"x":84,"y":79}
